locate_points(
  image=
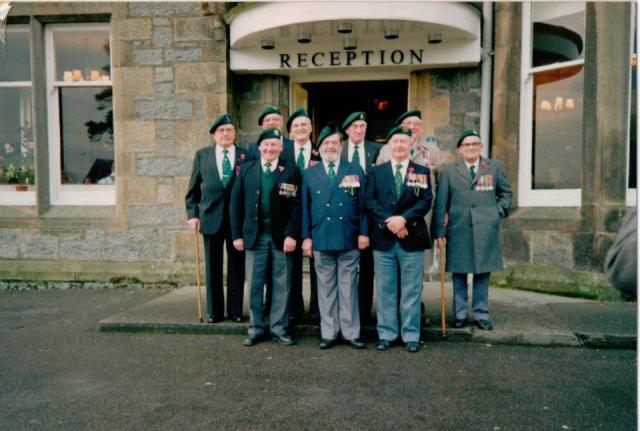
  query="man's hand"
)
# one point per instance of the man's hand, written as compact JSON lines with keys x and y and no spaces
{"x":363,"y":242}
{"x":402,"y":233}
{"x":307,"y":247}
{"x":238,"y":244}
{"x":289,"y":245}
{"x":442,"y":241}
{"x":194,"y":224}
{"x":395,"y":223}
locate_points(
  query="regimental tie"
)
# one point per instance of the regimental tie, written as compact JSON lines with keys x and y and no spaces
{"x":300,"y":160}
{"x":355,"y":159}
{"x":472,"y":171}
{"x":267,"y":169}
{"x":332,"y":173}
{"x":226,"y":168}
{"x":398,"y":178}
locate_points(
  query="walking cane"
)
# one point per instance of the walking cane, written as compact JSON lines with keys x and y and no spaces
{"x":197,"y":240}
{"x":442,"y":294}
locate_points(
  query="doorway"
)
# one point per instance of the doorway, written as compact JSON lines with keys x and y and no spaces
{"x":382,"y":101}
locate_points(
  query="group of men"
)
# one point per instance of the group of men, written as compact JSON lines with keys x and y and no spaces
{"x":355,"y":208}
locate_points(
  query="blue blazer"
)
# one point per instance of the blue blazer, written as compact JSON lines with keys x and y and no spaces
{"x":207,"y":199}
{"x":413,"y":204}
{"x":333,"y":216}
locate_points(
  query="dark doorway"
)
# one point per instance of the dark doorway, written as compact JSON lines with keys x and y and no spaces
{"x":383,"y":101}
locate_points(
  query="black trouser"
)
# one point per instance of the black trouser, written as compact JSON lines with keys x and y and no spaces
{"x":296,"y":301}
{"x":365,"y":284}
{"x":213,"y":255}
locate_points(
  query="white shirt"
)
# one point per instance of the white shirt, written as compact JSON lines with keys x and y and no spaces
{"x":403,"y":169}
{"x":273,"y":166}
{"x":361,"y":153}
{"x":335,"y":167}
{"x":220,"y":157}
{"x":306,"y":153}
{"x":476,"y":164}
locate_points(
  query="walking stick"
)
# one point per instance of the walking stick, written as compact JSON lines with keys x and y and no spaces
{"x":442,"y":294}
{"x":197,"y":240}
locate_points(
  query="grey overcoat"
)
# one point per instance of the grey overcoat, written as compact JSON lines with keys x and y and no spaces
{"x":475,"y":208}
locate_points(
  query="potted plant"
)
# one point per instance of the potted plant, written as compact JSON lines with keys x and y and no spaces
{"x":18,"y":169}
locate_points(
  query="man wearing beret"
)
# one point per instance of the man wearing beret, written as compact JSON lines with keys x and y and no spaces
{"x":207,"y":201}
{"x":361,"y":152}
{"x":304,"y":155}
{"x":398,"y":198}
{"x":475,"y":195}
{"x":334,"y":228}
{"x":271,"y":117}
{"x":265,"y":221}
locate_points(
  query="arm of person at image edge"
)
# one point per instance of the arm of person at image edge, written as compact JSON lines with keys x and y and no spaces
{"x":194,"y":195}
{"x":621,"y":263}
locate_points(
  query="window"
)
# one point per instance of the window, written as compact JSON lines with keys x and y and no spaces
{"x":17,"y":147}
{"x":552,"y":103}
{"x":632,"y":183}
{"x":80,"y":110}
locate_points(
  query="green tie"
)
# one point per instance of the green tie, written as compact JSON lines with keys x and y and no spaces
{"x":332,"y":173}
{"x":398,"y":178}
{"x":355,"y":159}
{"x":226,"y":168}
{"x":472,"y":171}
{"x":267,"y":169}
{"x":300,"y":160}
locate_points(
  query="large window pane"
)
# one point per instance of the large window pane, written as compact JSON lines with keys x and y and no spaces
{"x":557,"y":128}
{"x":82,"y":55}
{"x":633,"y":127}
{"x":86,"y":124}
{"x":558,"y":32}
{"x":15,"y":57}
{"x":16,"y":136}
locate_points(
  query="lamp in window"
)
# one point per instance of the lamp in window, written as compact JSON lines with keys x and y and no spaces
{"x":267,"y":44}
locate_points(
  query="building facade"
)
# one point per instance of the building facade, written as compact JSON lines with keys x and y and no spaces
{"x":103,"y":105}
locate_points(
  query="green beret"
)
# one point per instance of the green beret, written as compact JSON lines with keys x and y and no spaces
{"x":297,"y":113}
{"x":355,"y":116}
{"x":328,"y":130}
{"x":412,"y":113}
{"x":220,"y":121}
{"x":398,"y":130}
{"x":270,"y":133}
{"x":268,"y":110}
{"x":466,"y":134}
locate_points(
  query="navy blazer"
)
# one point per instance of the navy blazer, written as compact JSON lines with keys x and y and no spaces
{"x":285,"y":207}
{"x":253,"y":152}
{"x":371,"y":151}
{"x":413,"y":204}
{"x":333,"y":216}
{"x":207,"y":199}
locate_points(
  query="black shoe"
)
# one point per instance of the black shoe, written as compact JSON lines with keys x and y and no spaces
{"x":357,"y":344}
{"x":236,"y":319}
{"x":485,"y":325}
{"x":214,"y":319}
{"x":327,"y":344}
{"x":252,"y":340}
{"x":412,"y":346}
{"x":459,"y":323}
{"x":383,"y":345}
{"x":284,"y":339}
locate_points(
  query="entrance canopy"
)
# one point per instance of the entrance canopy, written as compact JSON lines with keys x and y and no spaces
{"x":293,"y":38}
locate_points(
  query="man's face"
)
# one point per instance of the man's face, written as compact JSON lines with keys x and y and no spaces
{"x":270,"y":149}
{"x":470,"y":148}
{"x":415,"y":125}
{"x":272,"y":120}
{"x":225,"y":135}
{"x":357,"y":131}
{"x":400,"y":146}
{"x":331,"y":148}
{"x":300,"y":129}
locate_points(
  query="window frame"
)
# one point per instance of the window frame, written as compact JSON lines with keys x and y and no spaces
{"x":8,"y":194}
{"x":632,"y":194}
{"x":72,"y":194}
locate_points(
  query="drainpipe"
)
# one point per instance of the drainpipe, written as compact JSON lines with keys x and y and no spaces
{"x":487,"y":68}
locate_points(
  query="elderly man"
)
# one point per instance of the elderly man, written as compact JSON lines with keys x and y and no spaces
{"x":304,"y":155}
{"x":398,"y":198}
{"x":207,"y":201}
{"x":334,"y":228}
{"x":265,"y":214}
{"x":361,"y":152}
{"x":271,"y":117}
{"x":475,"y":195}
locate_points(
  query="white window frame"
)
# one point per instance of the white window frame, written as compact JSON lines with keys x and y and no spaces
{"x":632,"y":194}
{"x":8,"y":193}
{"x":71,"y":194}
{"x":527,"y":195}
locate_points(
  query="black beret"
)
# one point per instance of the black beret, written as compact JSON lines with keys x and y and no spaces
{"x":354,"y":116}
{"x":328,"y":130}
{"x":412,"y":113}
{"x":466,"y":134}
{"x":268,"y":110}
{"x":220,"y":121}
{"x":398,"y":130}
{"x":270,"y":133}
{"x":301,"y":112}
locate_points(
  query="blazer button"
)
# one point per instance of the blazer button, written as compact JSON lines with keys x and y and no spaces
{"x":328,"y":218}
{"x":328,"y":205}
{"x":340,"y":204}
{"x":340,"y":218}
{"x":318,"y":192}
